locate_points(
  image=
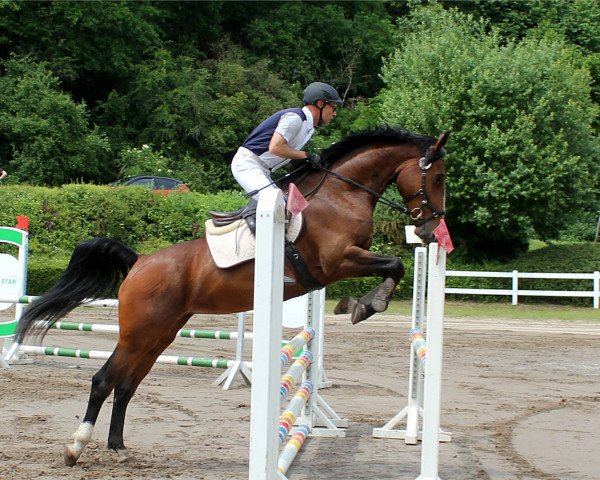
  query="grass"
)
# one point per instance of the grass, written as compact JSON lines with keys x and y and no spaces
{"x":498,"y":310}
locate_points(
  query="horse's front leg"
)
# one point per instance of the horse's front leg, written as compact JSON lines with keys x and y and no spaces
{"x":362,"y":264}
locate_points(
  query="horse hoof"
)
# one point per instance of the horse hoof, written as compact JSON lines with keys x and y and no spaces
{"x":123,"y":456}
{"x":345,"y":305}
{"x":381,"y":299}
{"x":361,"y":312}
{"x":70,"y":459}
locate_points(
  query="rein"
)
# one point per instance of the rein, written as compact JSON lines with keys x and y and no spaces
{"x":416,"y":214}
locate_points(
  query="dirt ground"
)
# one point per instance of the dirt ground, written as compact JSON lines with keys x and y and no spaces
{"x":522,"y":400}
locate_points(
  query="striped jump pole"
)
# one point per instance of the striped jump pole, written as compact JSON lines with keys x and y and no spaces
{"x":184,"y":332}
{"x":418,"y":342}
{"x":295,"y":344}
{"x":232,"y":367}
{"x":291,"y":449}
{"x":295,"y":372}
{"x":104,"y":355}
{"x":299,"y":402}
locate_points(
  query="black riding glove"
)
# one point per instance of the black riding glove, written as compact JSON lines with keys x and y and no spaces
{"x":314,"y":160}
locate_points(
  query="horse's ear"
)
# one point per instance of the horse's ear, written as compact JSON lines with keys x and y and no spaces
{"x":437,"y":146}
{"x":441,"y":141}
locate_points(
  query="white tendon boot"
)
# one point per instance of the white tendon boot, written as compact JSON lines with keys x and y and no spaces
{"x":82,"y":436}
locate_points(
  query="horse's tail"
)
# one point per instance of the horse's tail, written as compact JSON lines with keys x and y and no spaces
{"x":95,"y":270}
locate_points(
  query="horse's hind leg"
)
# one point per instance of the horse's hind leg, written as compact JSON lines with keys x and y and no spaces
{"x":137,"y":359}
{"x":102,"y":385}
{"x":138,"y":368}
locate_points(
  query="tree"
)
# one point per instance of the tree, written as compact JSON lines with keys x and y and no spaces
{"x":89,"y":46}
{"x":341,"y":43}
{"x":523,"y":159}
{"x":44,"y":135}
{"x":195,"y":113}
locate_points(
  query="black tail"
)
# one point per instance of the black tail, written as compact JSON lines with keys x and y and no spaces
{"x":96,"y":269}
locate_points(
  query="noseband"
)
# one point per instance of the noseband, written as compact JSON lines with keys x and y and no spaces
{"x":416,"y":214}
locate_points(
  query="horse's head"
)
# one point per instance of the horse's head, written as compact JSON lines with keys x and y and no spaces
{"x":422,"y":185}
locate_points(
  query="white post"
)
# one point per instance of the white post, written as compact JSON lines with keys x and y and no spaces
{"x":266,"y":348}
{"x":413,"y":411}
{"x":596,"y":289}
{"x":312,"y":372}
{"x":433,"y":370}
{"x":239,"y":367}
{"x":515,"y":287}
{"x":415,"y":373}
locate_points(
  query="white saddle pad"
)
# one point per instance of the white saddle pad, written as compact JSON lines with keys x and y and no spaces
{"x":234,"y":243}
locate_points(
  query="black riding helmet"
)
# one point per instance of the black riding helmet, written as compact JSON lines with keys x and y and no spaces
{"x":321,"y":91}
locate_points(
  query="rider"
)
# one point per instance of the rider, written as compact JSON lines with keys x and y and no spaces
{"x":280,"y":138}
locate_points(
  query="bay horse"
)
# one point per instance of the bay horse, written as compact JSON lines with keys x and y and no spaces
{"x":161,"y":291}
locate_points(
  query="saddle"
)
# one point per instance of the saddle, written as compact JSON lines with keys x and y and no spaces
{"x":231,"y":239}
{"x":248,"y":213}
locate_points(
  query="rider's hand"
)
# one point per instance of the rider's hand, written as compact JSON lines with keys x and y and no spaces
{"x":314,"y":160}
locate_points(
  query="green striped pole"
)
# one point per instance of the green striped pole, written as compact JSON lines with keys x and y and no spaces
{"x":185,"y":332}
{"x":103,"y":355}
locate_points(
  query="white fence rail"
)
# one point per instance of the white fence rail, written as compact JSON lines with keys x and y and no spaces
{"x":515,"y":292}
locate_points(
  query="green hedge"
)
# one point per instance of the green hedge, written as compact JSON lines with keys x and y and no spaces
{"x":62,"y":217}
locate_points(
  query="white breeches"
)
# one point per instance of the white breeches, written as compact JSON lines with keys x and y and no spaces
{"x":250,"y":172}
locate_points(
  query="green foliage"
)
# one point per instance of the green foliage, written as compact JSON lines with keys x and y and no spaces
{"x":577,"y":21}
{"x":84,"y":85}
{"x":522,"y":145}
{"x":194,"y":114}
{"x":90,"y":46}
{"x":43,"y":271}
{"x":43,"y":133}
{"x":143,"y":161}
{"x":348,"y":56}
{"x":59,"y":218}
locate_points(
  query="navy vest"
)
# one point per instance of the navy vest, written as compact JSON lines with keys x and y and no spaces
{"x":258,"y":140}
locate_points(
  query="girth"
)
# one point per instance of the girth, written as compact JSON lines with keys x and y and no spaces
{"x":298,"y":264}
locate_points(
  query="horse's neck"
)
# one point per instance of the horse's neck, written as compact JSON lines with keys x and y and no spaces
{"x":375,"y":168}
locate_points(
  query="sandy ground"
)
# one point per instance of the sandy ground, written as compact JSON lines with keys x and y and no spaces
{"x":521,"y":398}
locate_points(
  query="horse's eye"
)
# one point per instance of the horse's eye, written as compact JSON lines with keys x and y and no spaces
{"x":439,"y":178}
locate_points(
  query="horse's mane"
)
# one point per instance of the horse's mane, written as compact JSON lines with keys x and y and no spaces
{"x":381,"y":134}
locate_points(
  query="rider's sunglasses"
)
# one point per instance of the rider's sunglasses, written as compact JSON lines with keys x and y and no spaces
{"x":333,"y":106}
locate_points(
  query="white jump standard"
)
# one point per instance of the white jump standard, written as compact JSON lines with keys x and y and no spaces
{"x":267,"y":428}
{"x":424,"y":400}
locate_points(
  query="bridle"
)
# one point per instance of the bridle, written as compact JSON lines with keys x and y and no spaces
{"x":416,"y":214}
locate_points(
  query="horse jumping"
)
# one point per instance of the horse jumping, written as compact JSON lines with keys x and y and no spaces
{"x":161,"y":291}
